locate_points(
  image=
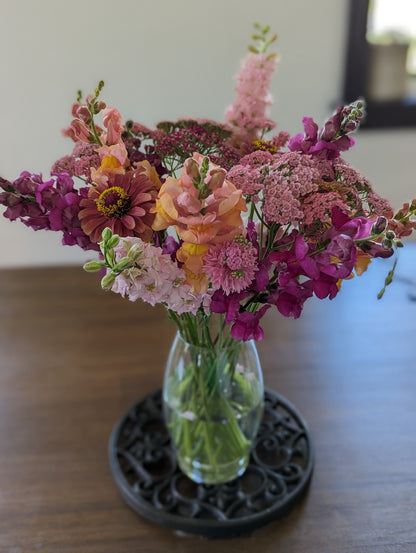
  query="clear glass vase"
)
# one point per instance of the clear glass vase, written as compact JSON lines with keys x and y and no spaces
{"x":213,"y":404}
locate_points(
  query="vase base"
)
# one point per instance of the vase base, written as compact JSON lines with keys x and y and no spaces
{"x":205,"y":475}
{"x":144,"y":467}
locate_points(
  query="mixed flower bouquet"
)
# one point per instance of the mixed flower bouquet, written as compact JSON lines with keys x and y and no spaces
{"x":215,"y":218}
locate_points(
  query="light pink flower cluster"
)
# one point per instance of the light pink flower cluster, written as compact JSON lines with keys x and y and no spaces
{"x":154,"y":279}
{"x":249,"y":113}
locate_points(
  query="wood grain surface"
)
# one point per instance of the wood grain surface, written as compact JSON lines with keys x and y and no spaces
{"x":73,"y":359}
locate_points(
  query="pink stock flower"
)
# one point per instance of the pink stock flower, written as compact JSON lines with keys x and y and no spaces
{"x":153,"y":278}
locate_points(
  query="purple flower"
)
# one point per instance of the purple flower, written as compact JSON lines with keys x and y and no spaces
{"x":64,"y":217}
{"x":19,"y":197}
{"x":357,"y":227}
{"x":342,"y":247}
{"x":376,"y":250}
{"x":170,"y":247}
{"x":50,"y":205}
{"x":287,"y":266}
{"x":46,"y":196}
{"x":294,"y":262}
{"x":247,"y":327}
{"x":261,"y":278}
{"x":221,"y":303}
{"x":289,"y":299}
{"x":325,"y":286}
{"x":332,"y":138}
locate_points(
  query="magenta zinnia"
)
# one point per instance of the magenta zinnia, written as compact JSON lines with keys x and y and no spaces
{"x":122,"y":204}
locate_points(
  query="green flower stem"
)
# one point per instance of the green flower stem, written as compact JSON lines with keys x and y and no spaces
{"x":210,"y":397}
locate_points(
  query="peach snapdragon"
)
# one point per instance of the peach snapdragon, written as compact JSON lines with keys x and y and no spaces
{"x":204,"y":208}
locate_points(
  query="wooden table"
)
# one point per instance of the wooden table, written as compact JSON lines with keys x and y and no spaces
{"x":74,"y":358}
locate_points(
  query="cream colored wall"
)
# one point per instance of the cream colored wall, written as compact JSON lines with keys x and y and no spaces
{"x":164,"y":59}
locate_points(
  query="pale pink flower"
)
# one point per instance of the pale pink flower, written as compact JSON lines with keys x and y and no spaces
{"x":154,"y":278}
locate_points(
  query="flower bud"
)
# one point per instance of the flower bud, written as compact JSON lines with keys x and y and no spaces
{"x":99,"y":106}
{"x":113,"y":242}
{"x":386,"y":243}
{"x":124,"y":263}
{"x":379,"y":226}
{"x":106,"y":234}
{"x":93,"y":266}
{"x":134,"y":252}
{"x":390,"y":235}
{"x":192,"y":169}
{"x":108,"y":280}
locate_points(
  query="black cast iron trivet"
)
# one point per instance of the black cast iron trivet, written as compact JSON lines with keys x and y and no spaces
{"x":143,"y":464}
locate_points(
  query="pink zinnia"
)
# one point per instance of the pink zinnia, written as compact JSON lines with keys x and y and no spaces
{"x":122,"y":204}
{"x":231,"y":265}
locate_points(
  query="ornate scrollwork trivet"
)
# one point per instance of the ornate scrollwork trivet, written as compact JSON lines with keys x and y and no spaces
{"x":144,"y":467}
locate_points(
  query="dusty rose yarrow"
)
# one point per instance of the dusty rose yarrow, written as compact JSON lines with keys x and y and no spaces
{"x":359,"y":187}
{"x":123,"y":204}
{"x":154,"y":279}
{"x":249,"y":174}
{"x":299,"y":172}
{"x":231,"y":265}
{"x":290,"y":177}
{"x":318,"y":207}
{"x":246,"y":178}
{"x":79,"y":162}
{"x":280,"y":206}
{"x":65,"y":164}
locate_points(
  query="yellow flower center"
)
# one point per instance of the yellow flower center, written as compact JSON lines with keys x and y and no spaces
{"x":265,"y":146}
{"x":113,"y":203}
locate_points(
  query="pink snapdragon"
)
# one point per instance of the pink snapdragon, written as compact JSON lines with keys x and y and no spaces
{"x":112,"y":121}
{"x":248,"y":115}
